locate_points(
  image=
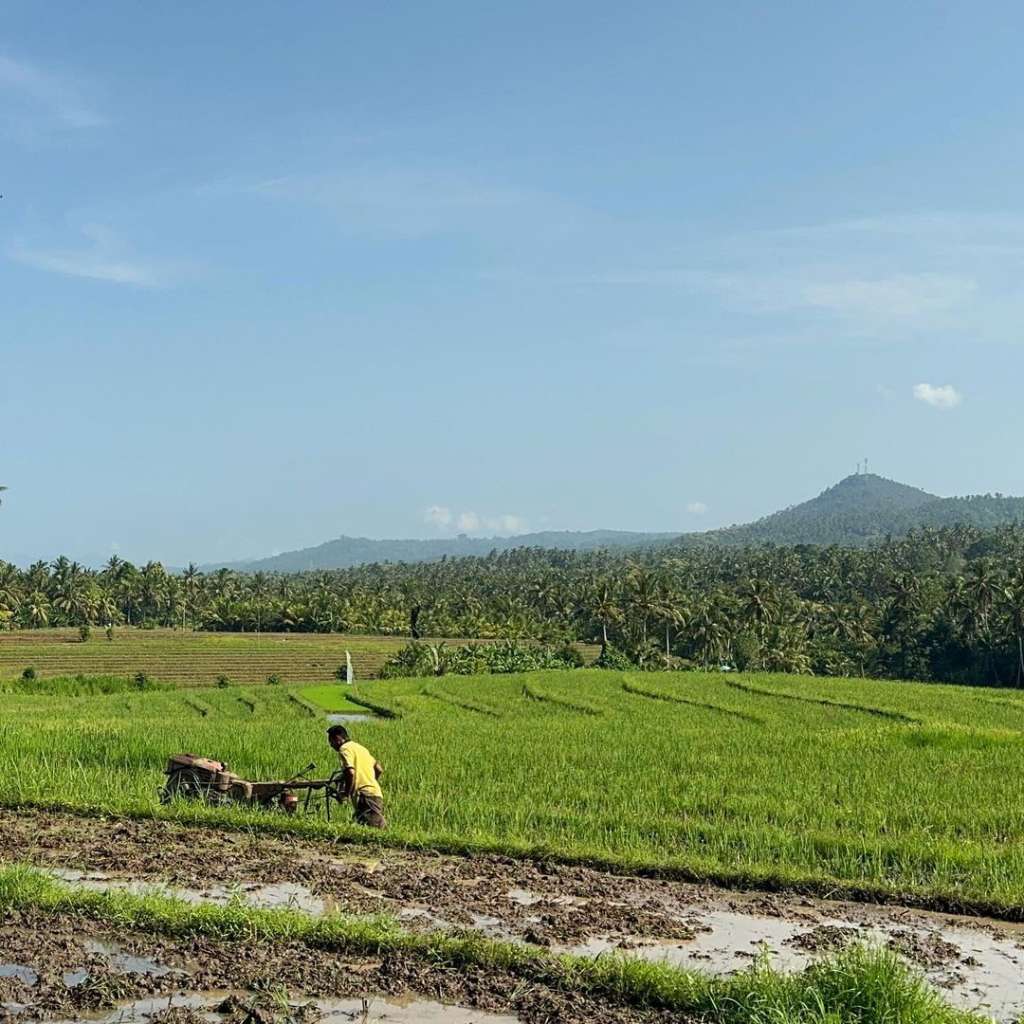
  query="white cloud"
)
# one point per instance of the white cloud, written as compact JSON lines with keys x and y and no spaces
{"x":696,"y":508}
{"x":103,"y":260}
{"x":438,"y":515}
{"x":47,"y":94}
{"x":511,"y":524}
{"x":442,"y":517}
{"x":944,"y":396}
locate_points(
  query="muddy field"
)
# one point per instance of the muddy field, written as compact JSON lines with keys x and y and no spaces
{"x":975,"y":962}
{"x":68,"y":968}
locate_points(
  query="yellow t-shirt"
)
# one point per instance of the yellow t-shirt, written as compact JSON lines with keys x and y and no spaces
{"x":361,"y":761}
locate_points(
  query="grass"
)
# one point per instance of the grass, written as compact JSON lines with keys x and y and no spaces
{"x":334,"y":698}
{"x":872,"y":789}
{"x":196,"y":659}
{"x":859,"y":986}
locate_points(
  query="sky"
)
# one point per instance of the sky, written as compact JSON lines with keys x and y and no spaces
{"x":271,"y":273}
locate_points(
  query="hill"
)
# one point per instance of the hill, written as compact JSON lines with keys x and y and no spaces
{"x":345,"y":552}
{"x":861,"y":510}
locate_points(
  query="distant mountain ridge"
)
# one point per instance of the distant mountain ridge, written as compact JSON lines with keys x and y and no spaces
{"x":860,"y":510}
{"x":345,"y":552}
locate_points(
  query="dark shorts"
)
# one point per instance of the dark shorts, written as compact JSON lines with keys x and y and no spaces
{"x":369,"y":811}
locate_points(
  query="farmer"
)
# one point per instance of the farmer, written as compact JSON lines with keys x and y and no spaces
{"x":361,"y":772}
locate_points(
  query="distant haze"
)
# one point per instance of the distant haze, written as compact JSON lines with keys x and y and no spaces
{"x":859,"y":510}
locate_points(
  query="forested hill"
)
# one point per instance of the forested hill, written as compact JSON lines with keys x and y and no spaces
{"x":862,"y":510}
{"x":346,"y":552}
{"x":856,"y":512}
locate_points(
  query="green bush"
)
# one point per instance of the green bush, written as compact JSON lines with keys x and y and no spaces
{"x":142,"y":681}
{"x":223,"y":681}
{"x":612,"y":658}
{"x":84,"y":632}
{"x":29,"y":674}
{"x":273,"y":679}
{"x":419,"y":659}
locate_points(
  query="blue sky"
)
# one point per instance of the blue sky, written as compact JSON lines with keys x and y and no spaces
{"x":273,"y":273}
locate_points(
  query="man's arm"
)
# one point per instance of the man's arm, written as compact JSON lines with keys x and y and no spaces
{"x":348,"y":778}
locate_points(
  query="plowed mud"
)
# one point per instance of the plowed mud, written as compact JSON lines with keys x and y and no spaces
{"x":976,"y":962}
{"x":78,"y":969}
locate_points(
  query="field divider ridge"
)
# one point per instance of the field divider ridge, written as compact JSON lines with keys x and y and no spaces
{"x":465,"y":705}
{"x":866,"y":709}
{"x":638,"y":691}
{"x":559,"y":702}
{"x":201,"y":709}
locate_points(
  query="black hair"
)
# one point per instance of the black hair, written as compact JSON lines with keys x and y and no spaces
{"x":337,"y":730}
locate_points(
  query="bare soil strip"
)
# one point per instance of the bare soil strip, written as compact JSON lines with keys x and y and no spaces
{"x":977,"y":962}
{"x":69,"y":967}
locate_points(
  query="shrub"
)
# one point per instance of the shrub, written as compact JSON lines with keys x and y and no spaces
{"x":142,"y":681}
{"x":612,"y":658}
{"x":414,"y":659}
{"x":420,"y":659}
{"x":29,"y":674}
{"x":109,"y":631}
{"x":341,"y":673}
{"x":273,"y":679}
{"x":84,"y":632}
{"x":572,"y":656}
{"x":222,"y":681}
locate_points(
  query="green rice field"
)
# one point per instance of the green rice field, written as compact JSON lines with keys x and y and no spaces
{"x":859,"y":786}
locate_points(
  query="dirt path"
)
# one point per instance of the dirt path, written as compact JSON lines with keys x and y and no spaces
{"x":977,"y":963}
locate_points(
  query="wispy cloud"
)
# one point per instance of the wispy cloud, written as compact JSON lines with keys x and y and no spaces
{"x":944,"y":396}
{"x":443,"y":518}
{"x":696,"y":508}
{"x":45,"y":94}
{"x":410,"y":203}
{"x":890,"y":277}
{"x":103,"y":259}
{"x":896,"y":296}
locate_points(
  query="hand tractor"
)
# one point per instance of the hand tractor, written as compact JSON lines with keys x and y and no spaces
{"x":192,"y":777}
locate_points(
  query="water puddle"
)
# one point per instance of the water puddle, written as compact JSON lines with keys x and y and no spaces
{"x":369,"y":1010}
{"x":279,"y":896}
{"x":423,"y":914}
{"x":128,"y":963}
{"x":976,"y":968}
{"x":529,"y":898}
{"x":348,"y":716}
{"x":19,"y":971}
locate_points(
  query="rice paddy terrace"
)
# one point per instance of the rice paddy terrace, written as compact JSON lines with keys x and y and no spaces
{"x":199,"y":659}
{"x":659,"y":828}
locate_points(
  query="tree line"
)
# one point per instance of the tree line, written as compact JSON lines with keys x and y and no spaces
{"x":943,"y":604}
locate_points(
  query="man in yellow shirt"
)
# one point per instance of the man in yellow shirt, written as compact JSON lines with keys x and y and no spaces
{"x":359,"y":780}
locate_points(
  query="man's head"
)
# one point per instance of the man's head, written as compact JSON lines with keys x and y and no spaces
{"x":336,"y":736}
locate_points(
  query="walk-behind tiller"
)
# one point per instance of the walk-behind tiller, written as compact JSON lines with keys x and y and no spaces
{"x":192,"y":777}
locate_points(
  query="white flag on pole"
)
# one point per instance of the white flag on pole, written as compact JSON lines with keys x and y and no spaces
{"x":349,"y":674}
